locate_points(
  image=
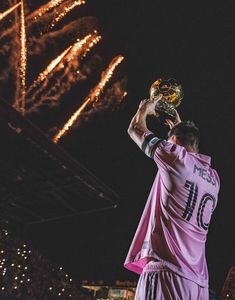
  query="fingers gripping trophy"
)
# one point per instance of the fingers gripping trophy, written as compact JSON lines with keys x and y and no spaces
{"x":172,"y":95}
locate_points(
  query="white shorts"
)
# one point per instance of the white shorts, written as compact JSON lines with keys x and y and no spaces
{"x":163,"y":284}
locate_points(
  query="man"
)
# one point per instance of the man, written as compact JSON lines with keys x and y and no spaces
{"x":168,"y":249}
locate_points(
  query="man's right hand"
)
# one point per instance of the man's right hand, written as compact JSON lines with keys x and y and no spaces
{"x":148,"y":105}
{"x":177,"y":120}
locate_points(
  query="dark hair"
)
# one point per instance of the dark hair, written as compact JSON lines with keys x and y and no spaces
{"x":187,"y":133}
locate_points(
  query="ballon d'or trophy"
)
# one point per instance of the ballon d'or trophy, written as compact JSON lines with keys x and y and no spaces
{"x":172,"y":96}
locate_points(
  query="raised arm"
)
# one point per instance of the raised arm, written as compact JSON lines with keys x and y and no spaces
{"x":138,"y":126}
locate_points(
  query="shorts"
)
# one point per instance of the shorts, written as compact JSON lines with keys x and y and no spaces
{"x":163,"y":284}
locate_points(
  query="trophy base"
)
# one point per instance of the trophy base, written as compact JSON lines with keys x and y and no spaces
{"x":163,"y":116}
{"x":165,"y":111}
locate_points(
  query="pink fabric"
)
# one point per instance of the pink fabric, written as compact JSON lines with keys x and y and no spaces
{"x":174,"y":225}
{"x":163,"y":284}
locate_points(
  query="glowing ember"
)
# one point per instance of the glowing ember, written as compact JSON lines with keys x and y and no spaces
{"x":7,"y":12}
{"x":93,"y":96}
{"x":23,"y":58}
{"x":45,"y":8}
{"x":124,"y":95}
{"x":65,"y":11}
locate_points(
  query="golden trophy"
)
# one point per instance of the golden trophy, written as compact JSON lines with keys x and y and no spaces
{"x":172,"y":96}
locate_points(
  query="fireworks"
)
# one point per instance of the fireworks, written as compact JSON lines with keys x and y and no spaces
{"x":106,"y":77}
{"x":78,"y":50}
{"x":7,"y":12}
{"x":93,"y":96}
{"x":42,"y":76}
{"x":81,"y":48}
{"x":65,"y":11}
{"x":23,"y":59}
{"x":46,"y":8}
{"x":64,"y":70}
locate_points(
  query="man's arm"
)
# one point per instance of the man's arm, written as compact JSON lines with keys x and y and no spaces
{"x":138,"y":126}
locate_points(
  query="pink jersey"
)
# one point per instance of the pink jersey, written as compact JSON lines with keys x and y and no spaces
{"x":174,"y":225}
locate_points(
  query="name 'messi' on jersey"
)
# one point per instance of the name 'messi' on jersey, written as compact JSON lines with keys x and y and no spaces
{"x":204,"y":174}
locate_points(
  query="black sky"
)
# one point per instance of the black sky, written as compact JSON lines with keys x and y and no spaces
{"x":192,"y":42}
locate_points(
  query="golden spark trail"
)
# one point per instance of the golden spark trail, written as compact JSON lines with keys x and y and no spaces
{"x":71,"y":121}
{"x":7,"y":12}
{"x":57,"y":62}
{"x":23,"y":60}
{"x":42,"y":76}
{"x":45,"y":8}
{"x":106,"y":77}
{"x":37,"y":14}
{"x":78,"y":50}
{"x":65,"y":11}
{"x":92,"y":97}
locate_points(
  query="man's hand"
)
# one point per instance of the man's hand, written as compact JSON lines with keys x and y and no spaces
{"x":138,"y":124}
{"x":177,"y":120}
{"x":148,"y":106}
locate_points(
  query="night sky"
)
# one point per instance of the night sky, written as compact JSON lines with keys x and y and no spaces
{"x":189,"y":41}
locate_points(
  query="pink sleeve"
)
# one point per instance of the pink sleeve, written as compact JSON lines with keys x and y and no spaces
{"x":166,"y":154}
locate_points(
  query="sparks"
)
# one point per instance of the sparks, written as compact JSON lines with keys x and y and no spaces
{"x":93,"y":96}
{"x":71,"y":121}
{"x":82,"y":47}
{"x":42,"y":76}
{"x":45,"y":8}
{"x":66,"y":10}
{"x":7,"y":12}
{"x":23,"y":58}
{"x":78,"y":50}
{"x":124,"y":95}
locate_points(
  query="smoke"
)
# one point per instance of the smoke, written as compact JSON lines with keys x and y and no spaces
{"x":73,"y":30}
{"x":112,"y":100}
{"x":66,"y":9}
{"x":41,"y":11}
{"x":8,"y":11}
{"x":38,"y":29}
{"x":44,"y":34}
{"x":10,"y":53}
{"x":94,"y":96}
{"x":41,"y":17}
{"x":59,"y":85}
{"x":67,"y":74}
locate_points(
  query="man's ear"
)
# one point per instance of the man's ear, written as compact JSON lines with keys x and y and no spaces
{"x":174,"y":139}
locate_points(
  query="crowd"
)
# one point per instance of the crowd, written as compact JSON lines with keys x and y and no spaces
{"x":25,"y":274}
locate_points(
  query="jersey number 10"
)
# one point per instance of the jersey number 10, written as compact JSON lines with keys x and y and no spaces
{"x":191,"y":202}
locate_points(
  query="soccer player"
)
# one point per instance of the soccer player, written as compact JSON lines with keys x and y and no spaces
{"x":168,"y":249}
